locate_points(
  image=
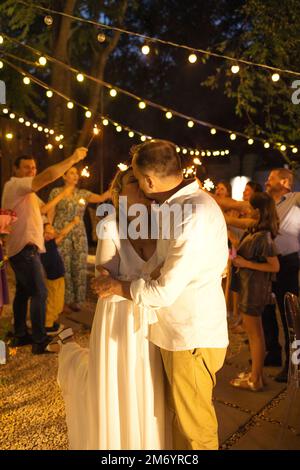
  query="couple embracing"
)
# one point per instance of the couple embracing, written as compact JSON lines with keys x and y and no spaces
{"x":160,"y":332}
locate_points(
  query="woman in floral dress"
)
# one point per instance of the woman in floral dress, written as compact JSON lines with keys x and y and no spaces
{"x":74,"y":248}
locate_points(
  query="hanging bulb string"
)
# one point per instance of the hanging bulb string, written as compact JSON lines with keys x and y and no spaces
{"x":161,"y":41}
{"x":136,"y":97}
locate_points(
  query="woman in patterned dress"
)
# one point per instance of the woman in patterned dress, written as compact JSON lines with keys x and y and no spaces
{"x":74,"y":248}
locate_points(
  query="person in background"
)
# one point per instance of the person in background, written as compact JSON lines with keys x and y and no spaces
{"x":74,"y":247}
{"x":223,"y":189}
{"x":256,"y":259}
{"x":251,"y":188}
{"x":26,"y":242}
{"x":55,"y":270}
{"x":7,"y":218}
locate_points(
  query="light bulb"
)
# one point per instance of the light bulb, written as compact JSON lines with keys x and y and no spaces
{"x":275,"y":77}
{"x":192,"y":58}
{"x":250,"y":141}
{"x":208,"y":153}
{"x":1,"y":40}
{"x":60,"y":146}
{"x":282,"y":148}
{"x":57,"y":138}
{"x":61,"y":136}
{"x":26,"y":80}
{"x":213,"y":131}
{"x":51,"y":131}
{"x":178,"y":149}
{"x":101,"y":37}
{"x":130,"y":134}
{"x":145,"y":50}
{"x":169,"y":115}
{"x":197,"y":152}
{"x":119,"y":129}
{"x":80,"y":77}
{"x":42,"y":60}
{"x":113,"y":92}
{"x":294,"y":150}
{"x":203,"y":153}
{"x":142,"y":105}
{"x":27,"y":123}
{"x":48,"y":20}
{"x":184,"y":151}
{"x":46,"y":130}
{"x":70,"y":105}
{"x":34,"y":125}
{"x":9,"y":136}
{"x":266,"y":145}
{"x":105,"y":122}
{"x":21,"y":120}
{"x":226,"y":152}
{"x":235,"y":68}
{"x":222,"y":153}
{"x":5,"y":111}
{"x":40,"y":128}
{"x":143,"y":138}
{"x":1,"y":64}
{"x":12,"y":116}
{"x":190,"y":124}
{"x":49,"y":93}
{"x":88,"y":114}
{"x":232,"y":136}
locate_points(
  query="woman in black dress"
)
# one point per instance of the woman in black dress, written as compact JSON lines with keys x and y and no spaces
{"x":256,"y":262}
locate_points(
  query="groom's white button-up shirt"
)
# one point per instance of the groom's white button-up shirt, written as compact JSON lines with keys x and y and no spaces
{"x":187,"y":297}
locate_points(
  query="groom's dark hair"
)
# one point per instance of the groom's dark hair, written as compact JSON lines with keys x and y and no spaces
{"x":159,"y":156}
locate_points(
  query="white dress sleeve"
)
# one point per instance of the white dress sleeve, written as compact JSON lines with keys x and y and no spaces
{"x":107,"y":254}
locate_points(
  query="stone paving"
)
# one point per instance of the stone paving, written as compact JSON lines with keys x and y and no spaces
{"x":32,"y":411}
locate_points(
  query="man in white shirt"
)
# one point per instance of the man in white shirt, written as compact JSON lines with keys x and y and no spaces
{"x":187,"y":296}
{"x":26,"y":242}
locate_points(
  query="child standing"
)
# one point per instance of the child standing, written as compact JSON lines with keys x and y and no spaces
{"x":256,"y":261}
{"x":55,"y":270}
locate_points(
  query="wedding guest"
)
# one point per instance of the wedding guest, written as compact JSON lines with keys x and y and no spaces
{"x":25,"y":243}
{"x":7,"y":218}
{"x":256,"y":260}
{"x":74,"y":247}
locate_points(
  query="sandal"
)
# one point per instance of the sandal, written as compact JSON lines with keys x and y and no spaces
{"x":59,"y":340}
{"x":243,"y":381}
{"x":244,"y":375}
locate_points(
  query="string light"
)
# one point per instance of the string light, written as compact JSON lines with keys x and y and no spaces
{"x":143,"y":138}
{"x":275,"y":77}
{"x":1,"y":40}
{"x":226,"y":152}
{"x":190,"y":124}
{"x":26,"y":80}
{"x":178,"y":149}
{"x":80,"y":77}
{"x":145,"y":49}
{"x":34,"y":125}
{"x":283,"y":148}
{"x":88,"y":114}
{"x":232,"y":136}
{"x":119,"y":128}
{"x":235,"y":69}
{"x":266,"y":145}
{"x":105,"y":122}
{"x":213,"y":131}
{"x":60,"y":146}
{"x":40,"y":128}
{"x":169,"y":115}
{"x":70,"y":105}
{"x":9,"y":135}
{"x":113,"y":93}
{"x":5,"y":111}
{"x":130,"y":134}
{"x":49,"y":147}
{"x":142,"y":105}
{"x":27,"y":123}
{"x":42,"y":61}
{"x":51,"y":131}
{"x":192,"y":58}
{"x":101,"y":37}
{"x":294,"y":150}
{"x":184,"y":151}
{"x":49,"y":93}
{"x":46,"y":130}
{"x":250,"y":141}
{"x":12,"y":115}
{"x":1,"y":64}
{"x":21,"y":120}
{"x":48,"y":20}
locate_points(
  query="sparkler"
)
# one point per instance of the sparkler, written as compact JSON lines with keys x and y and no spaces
{"x":96,"y":131}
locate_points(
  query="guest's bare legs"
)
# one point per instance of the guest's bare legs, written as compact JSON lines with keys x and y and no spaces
{"x":254,"y":330}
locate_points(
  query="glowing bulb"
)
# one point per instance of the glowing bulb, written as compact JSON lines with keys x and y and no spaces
{"x":266,"y":145}
{"x":1,"y":40}
{"x":208,"y":153}
{"x":222,"y":153}
{"x":60,"y":146}
{"x":51,"y":131}
{"x":57,"y":138}
{"x":226,"y":152}
{"x":9,"y":136}
{"x":40,"y":128}
{"x":46,"y":130}
{"x":61,"y":136}
{"x":42,"y":61}
{"x":113,"y":92}
{"x":119,"y":129}
{"x":12,"y":116}
{"x":48,"y":20}
{"x":130,"y":134}
{"x":184,"y":151}
{"x":80,"y":77}
{"x":101,"y":37}
{"x":169,"y":115}
{"x":142,"y":105}
{"x":143,"y":138}
{"x":26,"y":80}
{"x":235,"y":69}
{"x":70,"y":105}
{"x":275,"y":77}
{"x":49,"y":93}
{"x":49,"y":147}
{"x":145,"y":50}
{"x":282,"y":148}
{"x":28,"y":123}
{"x":203,"y":153}
{"x":192,"y":58}
{"x":105,"y":122}
{"x":232,"y":136}
{"x":34,"y":125}
{"x":294,"y":150}
{"x":178,"y":149}
{"x":250,"y":141}
{"x":21,"y":120}
{"x":213,"y":131}
{"x":1,"y":64}
{"x":5,"y":111}
{"x":122,"y":166}
{"x":197,"y":152}
{"x":88,"y":114}
{"x":192,"y":152}
{"x":190,"y":124}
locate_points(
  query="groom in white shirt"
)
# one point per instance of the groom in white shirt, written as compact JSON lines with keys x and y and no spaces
{"x":187,"y":296}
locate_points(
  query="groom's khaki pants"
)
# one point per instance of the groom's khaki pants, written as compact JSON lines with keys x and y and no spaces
{"x":191,"y":377}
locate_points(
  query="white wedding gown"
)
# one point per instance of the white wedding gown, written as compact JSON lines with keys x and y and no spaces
{"x":114,"y":391}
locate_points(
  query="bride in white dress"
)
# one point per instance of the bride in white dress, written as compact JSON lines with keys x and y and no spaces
{"x":114,"y":391}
